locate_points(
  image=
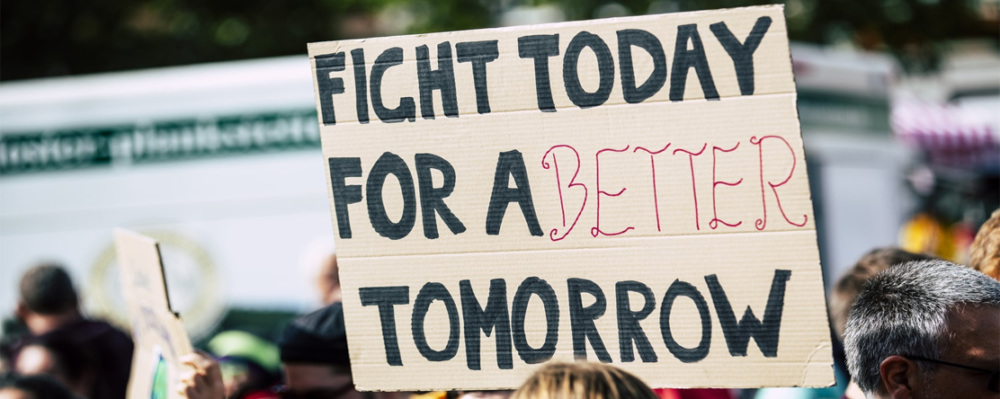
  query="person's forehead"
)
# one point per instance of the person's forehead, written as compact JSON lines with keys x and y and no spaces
{"x":975,"y":333}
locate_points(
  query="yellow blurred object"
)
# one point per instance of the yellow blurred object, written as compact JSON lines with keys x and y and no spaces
{"x":922,"y":234}
{"x":430,"y":395}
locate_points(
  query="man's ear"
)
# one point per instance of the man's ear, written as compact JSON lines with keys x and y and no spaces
{"x":898,"y":376}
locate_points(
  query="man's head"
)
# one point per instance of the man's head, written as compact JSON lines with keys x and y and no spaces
{"x":47,"y":290}
{"x":47,"y":299}
{"x":846,"y":290}
{"x":910,"y":318}
{"x":314,"y":352}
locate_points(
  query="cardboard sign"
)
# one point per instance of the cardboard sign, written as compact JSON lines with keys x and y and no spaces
{"x":159,"y":335}
{"x":630,"y":191}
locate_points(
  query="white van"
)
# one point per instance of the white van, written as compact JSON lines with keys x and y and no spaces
{"x":220,"y":162}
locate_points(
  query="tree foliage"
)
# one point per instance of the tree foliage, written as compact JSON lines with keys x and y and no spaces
{"x":63,"y":37}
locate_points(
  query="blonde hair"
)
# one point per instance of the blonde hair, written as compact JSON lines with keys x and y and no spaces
{"x":582,"y":380}
{"x":985,"y":250}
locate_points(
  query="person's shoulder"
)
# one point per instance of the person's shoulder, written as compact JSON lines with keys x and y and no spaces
{"x":102,"y":330}
{"x":91,"y":330}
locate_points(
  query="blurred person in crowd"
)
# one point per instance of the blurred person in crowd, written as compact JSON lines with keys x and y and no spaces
{"x":14,"y":386}
{"x":662,"y":393}
{"x":56,"y":356}
{"x":328,"y":280}
{"x":582,"y":380}
{"x":49,"y":307}
{"x":250,"y":365}
{"x":984,"y":254}
{"x":314,"y":353}
{"x":926,"y":329}
{"x":12,"y":329}
{"x":315,"y":359}
{"x":201,"y":378}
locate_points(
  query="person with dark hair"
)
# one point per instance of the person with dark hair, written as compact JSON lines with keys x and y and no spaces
{"x":314,"y":353}
{"x":926,"y":329}
{"x":49,"y":307}
{"x":13,"y":386}
{"x":48,"y":289}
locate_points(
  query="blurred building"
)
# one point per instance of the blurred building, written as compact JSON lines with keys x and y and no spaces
{"x":952,"y":119}
{"x":856,"y":169}
{"x":220,"y":162}
{"x":899,"y":159}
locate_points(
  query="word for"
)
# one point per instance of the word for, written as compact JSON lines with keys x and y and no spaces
{"x":510,"y":166}
{"x":506,"y":324}
{"x":689,"y":53}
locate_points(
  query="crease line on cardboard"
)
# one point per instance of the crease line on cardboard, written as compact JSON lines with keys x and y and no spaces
{"x":473,"y":114}
{"x":576,"y":248}
{"x":809,"y":361}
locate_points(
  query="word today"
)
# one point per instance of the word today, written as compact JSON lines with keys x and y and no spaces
{"x":688,"y":54}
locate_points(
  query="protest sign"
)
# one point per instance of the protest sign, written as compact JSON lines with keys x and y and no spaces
{"x":159,"y":336}
{"x":631,"y":191}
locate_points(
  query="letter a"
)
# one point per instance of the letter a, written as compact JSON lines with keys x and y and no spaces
{"x":511,"y":163}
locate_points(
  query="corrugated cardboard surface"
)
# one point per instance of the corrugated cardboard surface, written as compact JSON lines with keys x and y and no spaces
{"x":156,"y":330}
{"x":713,"y":190}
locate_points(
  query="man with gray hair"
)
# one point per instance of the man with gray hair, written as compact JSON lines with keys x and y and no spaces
{"x":926,"y":329}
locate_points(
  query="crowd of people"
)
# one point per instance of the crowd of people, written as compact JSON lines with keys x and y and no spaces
{"x":904,"y":325}
{"x":88,"y":358}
